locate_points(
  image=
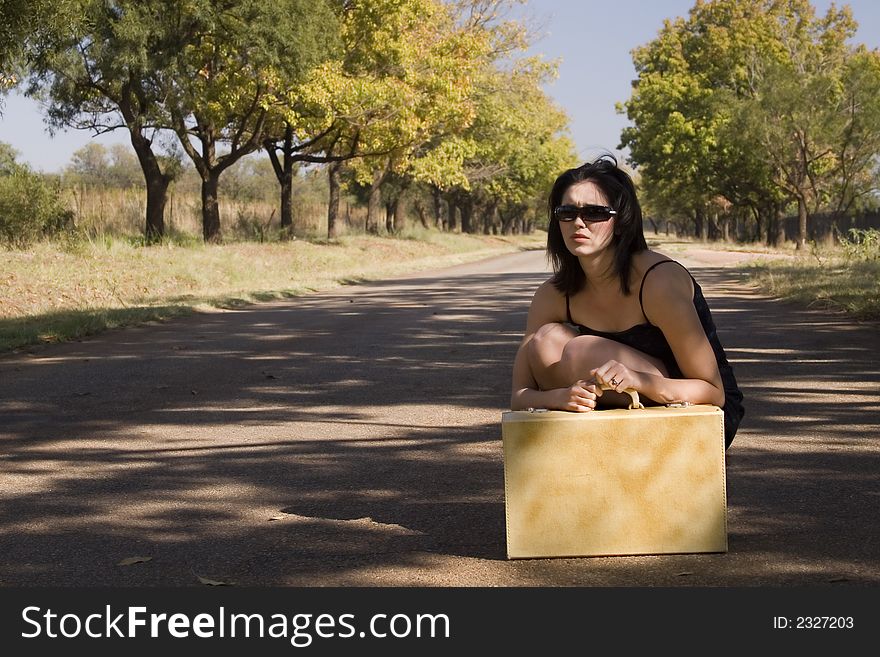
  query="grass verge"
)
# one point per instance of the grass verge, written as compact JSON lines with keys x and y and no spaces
{"x":55,"y":292}
{"x":833,"y":283}
{"x":824,"y":277}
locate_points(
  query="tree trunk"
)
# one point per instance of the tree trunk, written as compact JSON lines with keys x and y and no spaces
{"x":439,"y":219}
{"x":156,"y":181}
{"x":211,"y":208}
{"x":333,"y":205}
{"x":506,"y":223}
{"x":390,"y":216}
{"x":423,"y":216}
{"x":725,"y":228}
{"x":774,"y":219}
{"x":801,"y":243}
{"x":489,"y":218}
{"x":287,"y":182}
{"x":157,"y":186}
{"x":284,"y":174}
{"x":703,"y":225}
{"x":452,"y":218}
{"x":210,"y":166}
{"x":758,"y":235}
{"x":467,"y":210}
{"x":157,"y":194}
{"x":778,"y":212}
{"x":287,"y":201}
{"x":374,"y":204}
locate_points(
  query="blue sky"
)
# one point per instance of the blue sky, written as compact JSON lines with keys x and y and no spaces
{"x":592,"y":38}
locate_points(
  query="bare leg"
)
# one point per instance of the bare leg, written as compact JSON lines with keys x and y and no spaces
{"x":587,"y":352}
{"x":545,"y":353}
{"x":558,"y":357}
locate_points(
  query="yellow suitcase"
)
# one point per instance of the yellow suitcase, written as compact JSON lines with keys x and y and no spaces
{"x":615,"y":482}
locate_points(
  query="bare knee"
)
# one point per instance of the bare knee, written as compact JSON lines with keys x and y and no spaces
{"x":544,"y":351}
{"x":548,"y":342}
{"x":583,"y":353}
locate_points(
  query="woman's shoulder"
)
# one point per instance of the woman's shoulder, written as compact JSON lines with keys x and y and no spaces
{"x":648,"y":260}
{"x":548,"y":292}
{"x":663,"y":285}
{"x":548,"y":302}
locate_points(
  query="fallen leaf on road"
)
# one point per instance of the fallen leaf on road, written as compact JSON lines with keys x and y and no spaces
{"x":682,"y":574}
{"x":133,"y":560}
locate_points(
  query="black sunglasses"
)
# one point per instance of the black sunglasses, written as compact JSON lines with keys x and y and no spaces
{"x":589,"y":213}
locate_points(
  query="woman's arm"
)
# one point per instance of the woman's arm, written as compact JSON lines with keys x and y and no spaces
{"x":668,"y":304}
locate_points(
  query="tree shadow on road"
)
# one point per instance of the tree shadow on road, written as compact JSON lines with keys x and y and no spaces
{"x":354,"y":438}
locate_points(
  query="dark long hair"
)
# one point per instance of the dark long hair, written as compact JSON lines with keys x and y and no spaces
{"x":628,"y":239}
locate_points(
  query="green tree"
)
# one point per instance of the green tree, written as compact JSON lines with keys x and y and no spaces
{"x":124,"y":170}
{"x":521,"y":144}
{"x":736,"y":100}
{"x":797,"y":97}
{"x":95,"y":164}
{"x":856,"y":123}
{"x":89,"y":165}
{"x":504,"y":162}
{"x":670,"y":136}
{"x":96,"y":75}
{"x":207,"y":71}
{"x":234,"y":65}
{"x":484,"y":140}
{"x":25,"y":25}
{"x":30,"y":207}
{"x":403,"y":81}
{"x":8,"y":157}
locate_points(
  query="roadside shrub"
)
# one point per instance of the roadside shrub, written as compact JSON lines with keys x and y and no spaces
{"x":861,"y":245}
{"x":30,"y":208}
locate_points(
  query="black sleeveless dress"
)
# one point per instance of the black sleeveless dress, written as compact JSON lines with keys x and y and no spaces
{"x":650,"y":340}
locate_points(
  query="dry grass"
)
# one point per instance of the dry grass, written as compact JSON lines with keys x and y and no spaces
{"x":826,"y":276}
{"x":686,"y":241}
{"x":120,"y":212}
{"x":834,"y":283}
{"x":52,"y":292}
{"x":842,"y":277}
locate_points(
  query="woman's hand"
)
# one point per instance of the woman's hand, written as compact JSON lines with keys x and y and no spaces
{"x":618,"y":376}
{"x":580,"y":397}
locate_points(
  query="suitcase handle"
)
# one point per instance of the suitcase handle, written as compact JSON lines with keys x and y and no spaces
{"x":632,"y":392}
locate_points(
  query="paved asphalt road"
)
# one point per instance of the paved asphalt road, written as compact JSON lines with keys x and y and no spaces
{"x":353,"y":438}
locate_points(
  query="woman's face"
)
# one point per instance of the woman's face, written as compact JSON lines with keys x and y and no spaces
{"x":586,"y":238}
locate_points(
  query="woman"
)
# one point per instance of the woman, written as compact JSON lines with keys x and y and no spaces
{"x":616,"y":313}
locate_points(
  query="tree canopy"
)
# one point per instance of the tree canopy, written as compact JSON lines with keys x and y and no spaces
{"x":757,"y":102}
{"x":421,"y":93}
